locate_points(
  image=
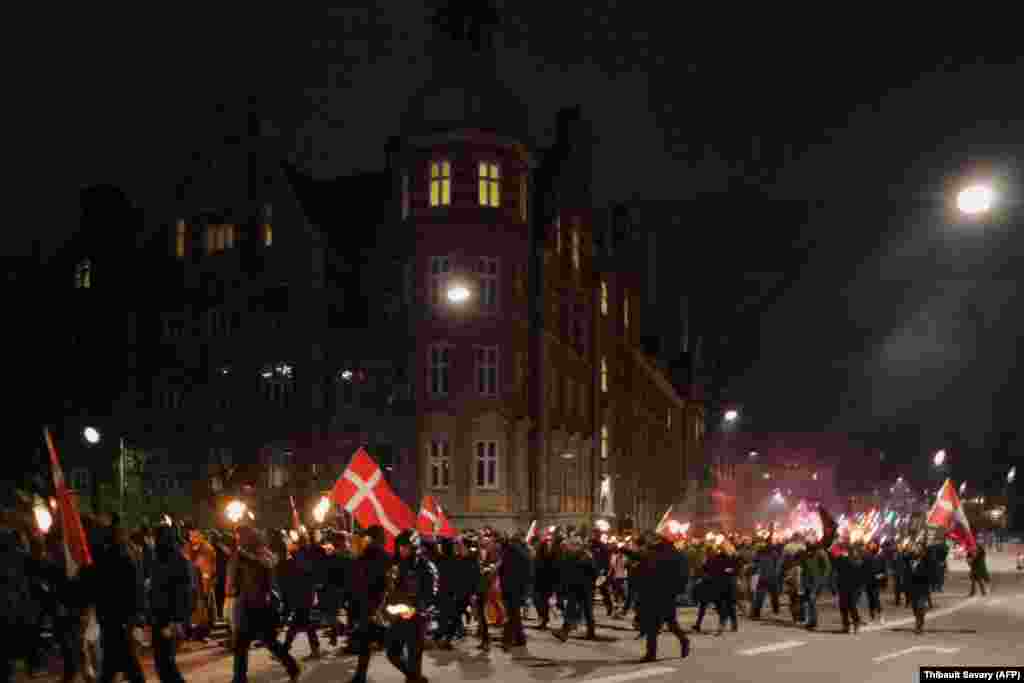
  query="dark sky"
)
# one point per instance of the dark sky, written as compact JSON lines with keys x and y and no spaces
{"x":856,"y":121}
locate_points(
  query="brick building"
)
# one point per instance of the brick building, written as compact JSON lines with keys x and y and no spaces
{"x":464,"y":313}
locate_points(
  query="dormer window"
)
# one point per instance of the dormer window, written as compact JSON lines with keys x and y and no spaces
{"x":83,"y":274}
{"x":440,"y":183}
{"x":490,"y":184}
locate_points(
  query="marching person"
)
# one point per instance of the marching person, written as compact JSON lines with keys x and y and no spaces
{"x":370,"y":578}
{"x":514,"y":574}
{"x":602,"y":565}
{"x":919,"y":585}
{"x":848,"y":564}
{"x":545,"y":581}
{"x":875,"y":577}
{"x":414,"y":587}
{"x":979,"y":569}
{"x":170,"y":602}
{"x":298,"y":580}
{"x":249,"y":582}
{"x":816,"y":571}
{"x":660,"y":569}
{"x":578,"y":575}
{"x":767,"y":569}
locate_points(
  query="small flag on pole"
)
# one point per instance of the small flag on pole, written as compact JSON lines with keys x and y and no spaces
{"x":296,"y":522}
{"x":531,"y":532}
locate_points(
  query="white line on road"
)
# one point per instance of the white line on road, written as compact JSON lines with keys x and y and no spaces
{"x":785,"y":645}
{"x":917,"y":648}
{"x":633,"y":675}
{"x":910,"y":620}
{"x":995,"y":601}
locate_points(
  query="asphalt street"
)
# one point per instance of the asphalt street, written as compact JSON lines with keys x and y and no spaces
{"x":982,"y":631}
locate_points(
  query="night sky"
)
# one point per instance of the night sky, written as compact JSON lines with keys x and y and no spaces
{"x":901,"y":315}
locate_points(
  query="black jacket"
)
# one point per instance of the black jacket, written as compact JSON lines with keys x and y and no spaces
{"x":515,"y":570}
{"x":658,"y":572}
{"x":115,"y":583}
{"x":170,"y":593}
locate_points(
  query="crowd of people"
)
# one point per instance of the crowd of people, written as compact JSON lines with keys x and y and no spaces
{"x":176,"y":582}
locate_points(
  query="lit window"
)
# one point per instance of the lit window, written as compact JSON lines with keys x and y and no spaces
{"x":440,"y":464}
{"x":219,"y":238}
{"x":268,"y":235}
{"x":439,"y":370}
{"x":523,"y":196}
{"x":487,"y":370}
{"x":575,"y":248}
{"x":488,"y":270}
{"x":625,"y":309}
{"x":604,"y":375}
{"x":179,"y":238}
{"x":440,"y":266}
{"x":487,"y":464}
{"x":405,"y":195}
{"x":604,"y":298}
{"x":604,"y":442}
{"x":278,"y":382}
{"x":440,"y":183}
{"x":490,"y":184}
{"x":83,"y":275}
{"x":558,"y":234}
{"x":668,"y":419}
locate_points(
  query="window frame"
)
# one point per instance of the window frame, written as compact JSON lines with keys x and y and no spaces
{"x":604,"y":298}
{"x":438,"y":278}
{"x":605,"y":443}
{"x":180,"y":238}
{"x":489,"y":273}
{"x":439,"y":370}
{"x":575,"y":249}
{"x":604,"y":374}
{"x":440,"y":183}
{"x":439,"y":463}
{"x":487,"y":455}
{"x":489,"y":184}
{"x":487,"y":360}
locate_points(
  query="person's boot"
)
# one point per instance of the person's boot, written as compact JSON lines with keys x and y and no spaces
{"x":543,"y":625}
{"x":362,"y":666}
{"x":562,"y":634}
{"x":591,"y":635}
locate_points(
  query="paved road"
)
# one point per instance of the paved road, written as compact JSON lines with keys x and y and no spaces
{"x":982,"y":631}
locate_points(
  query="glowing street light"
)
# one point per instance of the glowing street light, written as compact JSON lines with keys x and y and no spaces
{"x":963,"y":487}
{"x":732,"y":415}
{"x":940,"y":457}
{"x":1011,"y":476}
{"x":778,"y":497}
{"x":458,"y":293}
{"x":976,"y":199}
{"x":44,"y":520}
{"x":92,"y":435}
{"x":235,"y":511}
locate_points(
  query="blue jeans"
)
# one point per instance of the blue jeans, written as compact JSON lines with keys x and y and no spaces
{"x":812,"y":589}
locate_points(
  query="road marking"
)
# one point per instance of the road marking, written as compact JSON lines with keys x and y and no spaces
{"x":641,"y":673}
{"x":910,"y":620}
{"x":785,"y":645}
{"x":995,"y":601}
{"x":917,"y":648}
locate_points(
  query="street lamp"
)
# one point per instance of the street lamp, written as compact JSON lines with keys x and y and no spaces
{"x":732,"y":415}
{"x":976,"y":199}
{"x":458,"y":293}
{"x":91,"y":435}
{"x":940,"y":458}
{"x":1011,"y":476}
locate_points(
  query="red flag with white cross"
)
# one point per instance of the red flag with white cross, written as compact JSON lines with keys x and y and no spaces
{"x":948,"y":513}
{"x":364,"y":494}
{"x":76,"y":543}
{"x":432,"y":521}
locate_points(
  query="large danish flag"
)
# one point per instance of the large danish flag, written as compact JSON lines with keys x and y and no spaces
{"x":364,"y":494}
{"x":432,"y":521}
{"x":76,"y":543}
{"x":948,"y":513}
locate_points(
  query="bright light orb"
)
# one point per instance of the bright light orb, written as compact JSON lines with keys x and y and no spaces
{"x":1011,"y":476}
{"x":235,"y":511}
{"x":458,"y":294}
{"x":976,"y":199}
{"x":92,"y":435}
{"x":939,"y":458}
{"x":732,"y":415}
{"x":43,"y":518}
{"x":321,"y":510}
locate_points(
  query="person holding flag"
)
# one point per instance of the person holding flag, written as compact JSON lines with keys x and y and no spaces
{"x":364,"y":493}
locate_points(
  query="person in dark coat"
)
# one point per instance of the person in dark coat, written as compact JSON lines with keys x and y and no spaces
{"x":449,"y":618}
{"x":602,"y":564}
{"x":298,"y":580}
{"x":514,"y":572}
{"x":545,"y":582}
{"x":659,"y":569}
{"x":369,"y":579}
{"x":336,"y":569}
{"x":249,"y":582}
{"x":577,"y":575}
{"x":415,"y":586}
{"x":848,"y":563}
{"x":920,"y":574}
{"x":467,"y":580}
{"x":979,"y":569}
{"x":768,"y":569}
{"x":874,"y":581}
{"x":170,"y":599}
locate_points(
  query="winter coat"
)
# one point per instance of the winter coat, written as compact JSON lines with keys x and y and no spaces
{"x":816,"y":565}
{"x":576,"y":571}
{"x":516,"y":569}
{"x":170,"y":592}
{"x":919,"y":573}
{"x":874,"y":570}
{"x":369,"y":580}
{"x":114,"y":582}
{"x":602,"y":557}
{"x":297,"y":580}
{"x":415,"y":585}
{"x":792,"y":574}
{"x":849,"y":573}
{"x":768,"y":568}
{"x":658,"y":572}
{"x":545,"y":580}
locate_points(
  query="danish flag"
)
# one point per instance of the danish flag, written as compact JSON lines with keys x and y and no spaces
{"x":948,"y":513}
{"x":76,"y":544}
{"x":364,"y":494}
{"x":531,"y":532}
{"x":432,"y":520}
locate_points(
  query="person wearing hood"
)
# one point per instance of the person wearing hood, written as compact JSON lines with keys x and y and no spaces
{"x":170,"y":598}
{"x":249,"y":583}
